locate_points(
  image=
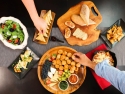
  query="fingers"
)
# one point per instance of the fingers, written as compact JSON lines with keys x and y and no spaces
{"x":77,"y":56}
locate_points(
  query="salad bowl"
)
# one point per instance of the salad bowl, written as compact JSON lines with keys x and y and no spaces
{"x":13,"y":33}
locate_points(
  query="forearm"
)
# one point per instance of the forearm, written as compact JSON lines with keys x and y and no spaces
{"x":91,"y":65}
{"x":111,"y":74}
{"x":30,"y":6}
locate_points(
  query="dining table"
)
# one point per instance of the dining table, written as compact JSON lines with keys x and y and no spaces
{"x":111,"y":11}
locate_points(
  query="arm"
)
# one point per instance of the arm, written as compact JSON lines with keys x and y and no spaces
{"x":103,"y":69}
{"x":39,"y":23}
{"x":111,"y":74}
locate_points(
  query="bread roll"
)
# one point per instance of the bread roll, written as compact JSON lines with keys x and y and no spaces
{"x":67,"y":32}
{"x":70,"y":24}
{"x":84,"y":13}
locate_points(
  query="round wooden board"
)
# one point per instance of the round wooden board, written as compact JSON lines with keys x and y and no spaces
{"x":81,"y":73}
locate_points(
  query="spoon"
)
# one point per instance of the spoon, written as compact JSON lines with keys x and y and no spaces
{"x":53,"y":38}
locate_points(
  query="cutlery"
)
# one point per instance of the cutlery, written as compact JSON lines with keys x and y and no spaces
{"x":53,"y":38}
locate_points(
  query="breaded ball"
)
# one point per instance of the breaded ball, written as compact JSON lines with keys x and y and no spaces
{"x":62,"y":57}
{"x":60,"y":51}
{"x":73,"y":63}
{"x":66,"y":58}
{"x":73,"y":67}
{"x":71,"y":71}
{"x":66,"y":66}
{"x":61,"y":67}
{"x":58,"y":56}
{"x":76,"y":69}
{"x":58,"y":62}
{"x":65,"y":53}
{"x":56,"y":66}
{"x":69,"y":54}
{"x":78,"y":65}
{"x":68,"y":61}
{"x":63,"y":62}
{"x":73,"y":57}
{"x":69,"y":66}
{"x":54,"y":62}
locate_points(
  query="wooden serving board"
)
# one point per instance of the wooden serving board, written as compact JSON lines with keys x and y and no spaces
{"x":93,"y":34}
{"x":49,"y":30}
{"x":55,"y":89}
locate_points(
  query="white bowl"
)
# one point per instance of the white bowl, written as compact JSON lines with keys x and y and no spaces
{"x":72,"y":82}
{"x":67,"y":86}
{"x":22,"y":45}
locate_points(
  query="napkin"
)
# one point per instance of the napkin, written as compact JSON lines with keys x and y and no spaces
{"x":101,"y":81}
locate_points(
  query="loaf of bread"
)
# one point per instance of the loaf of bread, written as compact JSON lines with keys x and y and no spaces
{"x":85,"y":13}
{"x":78,"y":20}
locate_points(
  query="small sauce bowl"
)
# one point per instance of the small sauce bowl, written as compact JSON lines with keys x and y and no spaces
{"x":73,"y":79}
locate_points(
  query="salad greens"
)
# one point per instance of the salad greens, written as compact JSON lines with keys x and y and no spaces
{"x":12,"y":32}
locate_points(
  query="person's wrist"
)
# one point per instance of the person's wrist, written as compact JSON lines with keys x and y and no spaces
{"x":92,"y":65}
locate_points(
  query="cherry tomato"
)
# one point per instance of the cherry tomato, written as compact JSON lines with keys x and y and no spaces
{"x":14,"y":26}
{"x":16,"y":41}
{"x":9,"y":41}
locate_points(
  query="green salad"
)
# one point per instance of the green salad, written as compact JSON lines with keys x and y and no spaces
{"x":12,"y":32}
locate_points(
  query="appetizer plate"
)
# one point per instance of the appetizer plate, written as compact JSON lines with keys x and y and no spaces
{"x":93,"y":34}
{"x":29,"y":65}
{"x":119,"y":22}
{"x":55,"y":89}
{"x":10,"y":45}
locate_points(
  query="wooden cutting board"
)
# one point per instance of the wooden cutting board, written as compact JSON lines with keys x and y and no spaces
{"x":93,"y":34}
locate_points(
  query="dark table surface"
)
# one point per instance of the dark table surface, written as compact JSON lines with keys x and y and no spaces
{"x":111,"y":11}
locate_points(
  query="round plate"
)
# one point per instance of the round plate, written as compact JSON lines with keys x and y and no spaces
{"x":10,"y":45}
{"x":55,"y":89}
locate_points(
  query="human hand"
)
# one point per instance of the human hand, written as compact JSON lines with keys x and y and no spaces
{"x":81,"y":58}
{"x":40,"y":24}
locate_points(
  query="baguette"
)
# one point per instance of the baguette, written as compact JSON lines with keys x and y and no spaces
{"x":85,"y":13}
{"x":78,"y":20}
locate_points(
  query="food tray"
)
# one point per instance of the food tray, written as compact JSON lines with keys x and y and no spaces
{"x":81,"y":73}
{"x":119,"y":22}
{"x":23,"y":72}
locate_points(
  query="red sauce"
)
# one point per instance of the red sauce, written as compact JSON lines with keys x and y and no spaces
{"x":73,"y":79}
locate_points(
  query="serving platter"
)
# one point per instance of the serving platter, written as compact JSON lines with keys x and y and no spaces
{"x":23,"y":72}
{"x":93,"y":34}
{"x":55,"y":89}
{"x":24,"y":30}
{"x":119,"y":22}
{"x":49,"y":30}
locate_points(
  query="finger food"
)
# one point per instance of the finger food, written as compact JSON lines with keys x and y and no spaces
{"x":115,"y":34}
{"x":67,"y":32}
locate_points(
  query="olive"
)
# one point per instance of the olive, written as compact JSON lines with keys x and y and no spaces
{"x":8,"y":38}
{"x":11,"y":29}
{"x":19,"y":42}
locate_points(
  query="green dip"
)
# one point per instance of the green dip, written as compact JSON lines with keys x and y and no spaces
{"x":63,"y":85}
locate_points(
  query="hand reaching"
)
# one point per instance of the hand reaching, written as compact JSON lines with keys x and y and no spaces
{"x":81,"y":58}
{"x":40,"y":24}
